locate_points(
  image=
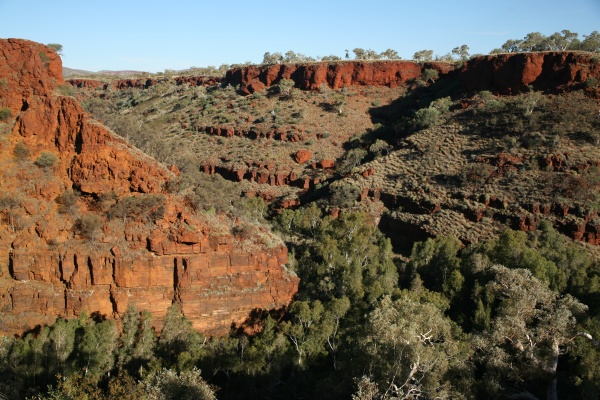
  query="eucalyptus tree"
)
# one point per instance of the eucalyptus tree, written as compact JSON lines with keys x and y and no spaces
{"x":531,"y":327}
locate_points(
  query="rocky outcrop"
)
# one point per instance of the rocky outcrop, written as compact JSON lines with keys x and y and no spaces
{"x":334,"y":75}
{"x":44,"y":72}
{"x":502,"y":73}
{"x":97,"y":161}
{"x":302,"y":156}
{"x":144,"y":83}
{"x":253,"y":132}
{"x":68,"y":258}
{"x":258,"y":173}
{"x":215,"y":285}
{"x":198,"y":80}
{"x":87,"y":83}
{"x":515,"y":72}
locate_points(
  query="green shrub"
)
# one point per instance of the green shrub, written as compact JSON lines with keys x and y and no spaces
{"x":149,"y":207}
{"x":475,"y":174}
{"x":21,"y":151}
{"x":67,"y":201}
{"x":493,"y":105}
{"x":285,"y":87}
{"x":529,"y":102}
{"x":430,"y":74}
{"x":44,"y":57}
{"x":486,"y":95}
{"x":5,"y":114}
{"x":443,"y":104}
{"x":591,"y":82}
{"x":223,"y":118}
{"x":88,"y":226}
{"x":243,"y":231}
{"x":427,"y":117}
{"x":380,"y":147}
{"x":213,"y":191}
{"x":46,"y":160}
{"x":66,"y":90}
{"x":344,"y":196}
{"x":351,"y":159}
{"x":298,"y":114}
{"x":56,"y":47}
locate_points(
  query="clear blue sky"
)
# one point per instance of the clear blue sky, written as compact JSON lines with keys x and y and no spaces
{"x":157,"y":35}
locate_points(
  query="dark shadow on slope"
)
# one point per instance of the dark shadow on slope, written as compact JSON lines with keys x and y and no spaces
{"x":403,"y":235}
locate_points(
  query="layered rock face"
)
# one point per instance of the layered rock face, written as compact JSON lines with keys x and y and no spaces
{"x":144,"y":83}
{"x":514,"y":73}
{"x":61,"y":258}
{"x":504,"y":73}
{"x":335,"y":75}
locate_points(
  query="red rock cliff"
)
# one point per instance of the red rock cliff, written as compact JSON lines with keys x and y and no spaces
{"x":144,"y":83}
{"x":335,"y":75}
{"x":52,"y":267}
{"x":505,"y":73}
{"x":512,"y":73}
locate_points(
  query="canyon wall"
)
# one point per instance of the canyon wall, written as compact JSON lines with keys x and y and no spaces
{"x":144,"y":83}
{"x":503,"y":73}
{"x":59,"y":258}
{"x":515,"y":72}
{"x":506,"y":73}
{"x":334,"y":75}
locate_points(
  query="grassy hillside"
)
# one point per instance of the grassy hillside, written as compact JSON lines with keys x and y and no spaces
{"x":427,"y":156}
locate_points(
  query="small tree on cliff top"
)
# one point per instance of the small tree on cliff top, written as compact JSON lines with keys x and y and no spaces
{"x":58,"y":48}
{"x":462,"y":52}
{"x":275,"y":58}
{"x":423,"y":55}
{"x":390,"y":55}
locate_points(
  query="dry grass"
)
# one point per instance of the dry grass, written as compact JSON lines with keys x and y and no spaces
{"x":429,"y":174}
{"x":176,"y":113}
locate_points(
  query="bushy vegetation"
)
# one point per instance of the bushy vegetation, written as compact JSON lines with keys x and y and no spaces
{"x":5,"y":114}
{"x":72,"y":359}
{"x":149,"y":207}
{"x":558,"y":41}
{"x":21,"y":151}
{"x":88,"y":226}
{"x":46,"y":160}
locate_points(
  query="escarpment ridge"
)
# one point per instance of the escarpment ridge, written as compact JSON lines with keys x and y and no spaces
{"x":89,"y":224}
{"x":504,"y":73}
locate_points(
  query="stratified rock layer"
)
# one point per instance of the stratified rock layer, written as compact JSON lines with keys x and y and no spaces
{"x":504,"y":73}
{"x":335,"y":75}
{"x":514,"y":73}
{"x":51,"y":268}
